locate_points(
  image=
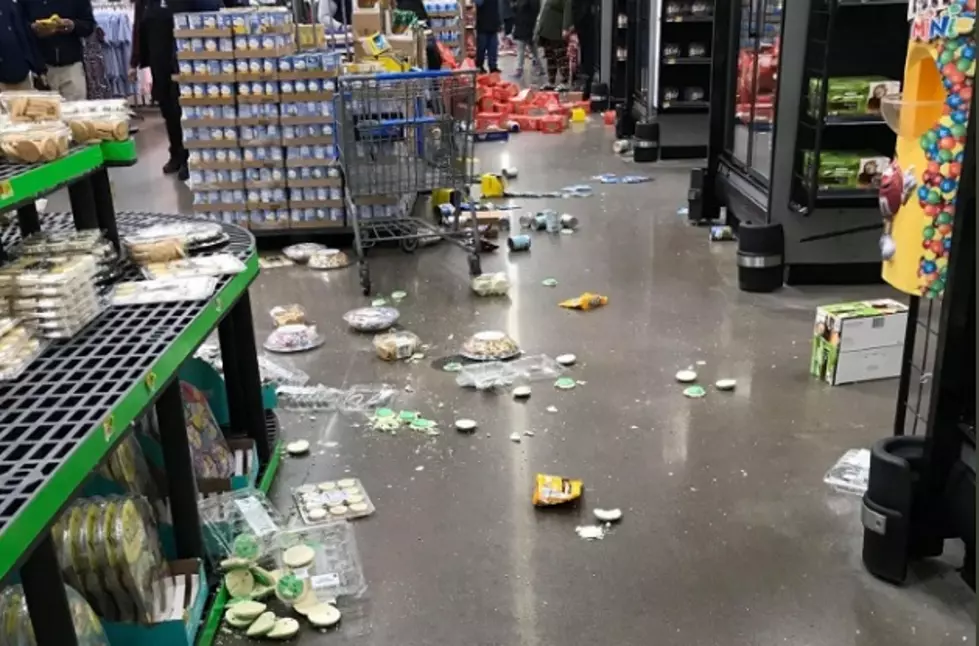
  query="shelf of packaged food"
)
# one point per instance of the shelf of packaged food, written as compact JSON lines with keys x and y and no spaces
{"x":119,"y":153}
{"x":65,"y":413}
{"x":21,"y":184}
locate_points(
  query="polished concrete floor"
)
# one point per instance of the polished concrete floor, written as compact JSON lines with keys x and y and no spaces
{"x":729,"y":536}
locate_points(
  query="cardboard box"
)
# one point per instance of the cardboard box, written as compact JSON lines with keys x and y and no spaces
{"x":366,"y":22}
{"x":407,"y":46}
{"x":858,"y":341}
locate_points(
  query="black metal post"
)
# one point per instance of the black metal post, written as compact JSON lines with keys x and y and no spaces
{"x":28,"y":219}
{"x":229,"y":361}
{"x":181,"y":484}
{"x":47,"y":602}
{"x":247,"y":379}
{"x":907,"y":361}
{"x":82,"y":199}
{"x":105,"y":212}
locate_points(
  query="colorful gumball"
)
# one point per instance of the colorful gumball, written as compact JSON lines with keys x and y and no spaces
{"x":954,"y":169}
{"x":934,"y":167}
{"x":943,"y":218}
{"x":945,"y":155}
{"x":944,"y":229}
{"x":937,"y":248}
{"x":947,"y":143}
{"x":928,"y":267}
{"x":948,"y":185}
{"x":928,"y":233}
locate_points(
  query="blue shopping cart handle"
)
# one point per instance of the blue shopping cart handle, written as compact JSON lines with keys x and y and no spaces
{"x":405,"y":76}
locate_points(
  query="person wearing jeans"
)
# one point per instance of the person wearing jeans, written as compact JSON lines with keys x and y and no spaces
{"x":60,"y":42}
{"x":523,"y":31}
{"x":488,"y":24}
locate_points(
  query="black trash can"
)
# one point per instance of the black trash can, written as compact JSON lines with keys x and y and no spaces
{"x":645,"y":144}
{"x":761,"y":256}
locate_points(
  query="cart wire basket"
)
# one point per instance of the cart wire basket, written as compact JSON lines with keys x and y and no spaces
{"x":401,"y":135}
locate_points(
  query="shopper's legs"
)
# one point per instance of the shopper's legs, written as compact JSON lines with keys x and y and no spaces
{"x":167,"y":94}
{"x":586,"y":52}
{"x":481,"y":44}
{"x":68,"y":81}
{"x":493,"y":52}
{"x":521,"y":51}
{"x":551,"y":60}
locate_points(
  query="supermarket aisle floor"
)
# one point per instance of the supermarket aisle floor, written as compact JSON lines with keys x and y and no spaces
{"x":729,"y":535}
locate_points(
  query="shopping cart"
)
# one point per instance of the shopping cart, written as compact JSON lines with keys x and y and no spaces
{"x":401,"y":135}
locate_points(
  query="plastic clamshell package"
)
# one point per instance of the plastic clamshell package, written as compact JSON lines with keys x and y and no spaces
{"x":293,"y":338}
{"x":90,"y":127}
{"x":487,"y":375}
{"x":489,"y":345}
{"x":192,"y":233}
{"x":226,"y":517}
{"x":348,"y":501}
{"x":165,"y":290}
{"x":301,"y":252}
{"x":328,"y":259}
{"x":36,"y":142}
{"x":371,"y":319}
{"x":31,"y":106}
{"x":18,"y":349}
{"x":216,"y":265}
{"x":396,"y":345}
{"x":536,"y":367}
{"x":336,"y":570}
{"x":15,"y":621}
{"x":497,"y":284}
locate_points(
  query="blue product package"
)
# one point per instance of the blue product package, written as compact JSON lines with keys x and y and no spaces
{"x":336,"y":194}
{"x":230,"y":134}
{"x":241,"y":43}
{"x":254,"y":42}
{"x":207,"y":155}
{"x":278,"y":195}
{"x":255,"y":65}
{"x":248,"y":154}
{"x":183,"y":45}
{"x":285,"y":64}
{"x":227,"y":196}
{"x":217,"y":176}
{"x":286,"y":87}
{"x":234,"y":154}
{"x":244,"y":89}
{"x":236,"y":175}
{"x":212,"y":67}
{"x":257,"y":88}
{"x":194,"y":21}
{"x":288,"y":132}
{"x":271,"y":88}
{"x":275,"y":153}
{"x":238,"y":195}
{"x":213,"y":90}
{"x":322,"y":194}
{"x":226,"y":111}
{"x":301,"y":86}
{"x":196,"y":177}
{"x":225,"y":20}
{"x":268,"y":65}
{"x":292,"y":173}
{"x":209,"y":20}
{"x":227,"y":90}
{"x":316,"y":172}
{"x":194,"y":156}
{"x":189,"y":112}
{"x":252,"y":196}
{"x":185,"y":68}
{"x":210,"y":44}
{"x":226,"y":44}
{"x":190,"y":134}
{"x":333,"y":171}
{"x":181,"y":21}
{"x":221,"y":154}
{"x":265,"y":195}
{"x":241,"y":65}
{"x":227,"y":67}
{"x":252,"y":175}
{"x":277,"y":174}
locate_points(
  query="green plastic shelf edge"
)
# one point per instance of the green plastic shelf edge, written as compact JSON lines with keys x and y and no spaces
{"x":47,"y":503}
{"x":119,"y":152}
{"x":36,"y":182}
{"x":206,"y":636}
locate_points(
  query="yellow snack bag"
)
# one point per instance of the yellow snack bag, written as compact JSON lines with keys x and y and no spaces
{"x":555,"y":490}
{"x":587,"y":301}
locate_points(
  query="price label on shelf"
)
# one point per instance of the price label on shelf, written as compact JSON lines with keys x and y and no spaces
{"x":6,"y":190}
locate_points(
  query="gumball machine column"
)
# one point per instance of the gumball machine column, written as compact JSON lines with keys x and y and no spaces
{"x":921,"y":492}
{"x":930,"y":119}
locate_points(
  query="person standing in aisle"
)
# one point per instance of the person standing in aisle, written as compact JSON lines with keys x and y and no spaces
{"x":19,"y":56}
{"x":582,"y":17}
{"x":488,"y":24}
{"x":523,"y":31}
{"x":60,"y":42}
{"x":154,"y":47}
{"x":553,"y":24}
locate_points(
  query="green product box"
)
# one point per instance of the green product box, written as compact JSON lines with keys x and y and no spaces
{"x":851,"y":95}
{"x":845,"y":169}
{"x":858,"y":341}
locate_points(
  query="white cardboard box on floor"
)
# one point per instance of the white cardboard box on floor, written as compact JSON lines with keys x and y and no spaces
{"x":858,"y":341}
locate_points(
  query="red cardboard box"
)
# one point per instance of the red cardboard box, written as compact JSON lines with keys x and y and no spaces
{"x":543,"y":99}
{"x":486,"y":120}
{"x":584,"y":105}
{"x":563,"y":109}
{"x":609,"y":117}
{"x":552,"y":124}
{"x":526,"y":123}
{"x":486,"y":103}
{"x":503,"y":108}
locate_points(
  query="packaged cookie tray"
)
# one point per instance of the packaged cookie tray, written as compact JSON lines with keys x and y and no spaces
{"x":30,"y":143}
{"x":18,"y":349}
{"x":31,"y":106}
{"x":324,"y":558}
{"x":72,"y":242}
{"x":56,"y":309}
{"x":109,"y":549}
{"x":334,"y":499}
{"x":46,"y":272}
{"x":93,"y":127}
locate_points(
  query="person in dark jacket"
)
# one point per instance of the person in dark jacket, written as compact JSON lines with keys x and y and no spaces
{"x":154,"y":47}
{"x":488,"y":23}
{"x":60,"y":42}
{"x":19,"y":56}
{"x":525,"y":18}
{"x":583,"y":24}
{"x":551,"y":32}
{"x":432,"y":53}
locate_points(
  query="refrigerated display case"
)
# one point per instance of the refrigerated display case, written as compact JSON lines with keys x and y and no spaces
{"x":783,"y":148}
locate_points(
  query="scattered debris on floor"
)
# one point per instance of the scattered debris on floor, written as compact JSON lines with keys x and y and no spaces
{"x":398,"y":295}
{"x":586,"y":301}
{"x":551,"y":409}
{"x":851,"y":472}
{"x":495,"y":284}
{"x":339,"y":499}
{"x":398,"y":345}
{"x":686,"y":376}
{"x":555,"y":490}
{"x":565,"y":383}
{"x":726,"y":384}
{"x":549,"y":282}
{"x":694,"y":392}
{"x":515,"y":437}
{"x":590,"y":532}
{"x":566,"y":359}
{"x":521,"y":392}
{"x":466,"y":425}
{"x":510,"y":172}
{"x":612,"y":178}
{"x":721,"y":234}
{"x":297,"y":448}
{"x":608,"y":515}
{"x":621,"y":146}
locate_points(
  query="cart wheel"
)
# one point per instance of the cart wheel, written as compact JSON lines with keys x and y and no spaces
{"x":365,"y":280}
{"x":475,"y":268}
{"x":408,"y":245}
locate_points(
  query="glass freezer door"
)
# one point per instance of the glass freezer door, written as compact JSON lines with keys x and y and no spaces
{"x":749,"y":132}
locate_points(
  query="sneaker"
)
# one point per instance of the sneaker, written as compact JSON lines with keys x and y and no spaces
{"x":183,"y":173}
{"x":494,"y":70}
{"x":172,"y":166}
{"x":547,"y":87}
{"x":518,"y":74}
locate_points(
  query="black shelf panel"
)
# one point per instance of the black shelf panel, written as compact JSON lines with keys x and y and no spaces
{"x":687,"y":106}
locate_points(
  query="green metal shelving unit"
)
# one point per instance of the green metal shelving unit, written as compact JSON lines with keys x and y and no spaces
{"x":64,"y":415}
